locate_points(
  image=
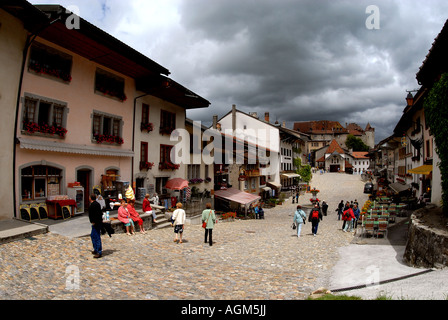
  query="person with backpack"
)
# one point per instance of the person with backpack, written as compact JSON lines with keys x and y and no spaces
{"x":349,"y":216}
{"x":299,"y":219}
{"x":314,"y":218}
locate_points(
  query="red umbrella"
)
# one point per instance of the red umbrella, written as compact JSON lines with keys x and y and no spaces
{"x":176,"y":184}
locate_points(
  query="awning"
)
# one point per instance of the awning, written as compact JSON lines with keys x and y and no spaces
{"x":176,"y":184}
{"x":290,"y":175}
{"x":274,"y":184}
{"x":425,"y":169}
{"x":53,"y":146}
{"x":236,"y":195}
{"x":266,"y":189}
{"x":399,"y":187}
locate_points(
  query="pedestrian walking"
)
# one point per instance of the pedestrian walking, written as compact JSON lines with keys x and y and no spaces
{"x":339,"y":209}
{"x":346,"y":207}
{"x":314,"y":218}
{"x":349,"y":216}
{"x":356,"y":213}
{"x":179,"y":222}
{"x":148,"y":209}
{"x":208,"y":216}
{"x":299,"y":219}
{"x":124,"y":216}
{"x":257,"y":211}
{"x":135,"y":216}
{"x":96,"y":219}
{"x":324,"y":208}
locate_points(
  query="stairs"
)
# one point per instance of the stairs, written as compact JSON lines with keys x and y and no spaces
{"x":162,"y":221}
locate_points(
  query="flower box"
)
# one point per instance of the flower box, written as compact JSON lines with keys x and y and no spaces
{"x":146,"y":165}
{"x":105,"y":138}
{"x":32,"y":127}
{"x":146,"y":126}
{"x":54,"y":72}
{"x":168,"y":166}
{"x":196,"y":180}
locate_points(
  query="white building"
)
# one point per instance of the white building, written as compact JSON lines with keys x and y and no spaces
{"x":361,"y":162}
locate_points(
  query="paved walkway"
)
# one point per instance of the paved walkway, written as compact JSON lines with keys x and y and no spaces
{"x":251,"y":259}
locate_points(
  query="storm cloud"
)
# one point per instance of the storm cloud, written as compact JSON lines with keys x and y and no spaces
{"x":299,"y":60}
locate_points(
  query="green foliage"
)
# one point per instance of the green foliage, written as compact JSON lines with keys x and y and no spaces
{"x":303,"y":171}
{"x":436,"y":115}
{"x":355,"y":143}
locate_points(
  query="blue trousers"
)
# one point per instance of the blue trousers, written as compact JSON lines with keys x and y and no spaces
{"x":314,"y":226}
{"x":95,"y":235}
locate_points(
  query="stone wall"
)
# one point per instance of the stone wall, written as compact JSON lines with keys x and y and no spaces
{"x":427,"y":245}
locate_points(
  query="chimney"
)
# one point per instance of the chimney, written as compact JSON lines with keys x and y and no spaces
{"x":284,"y":124}
{"x":215,"y":121}
{"x":266,"y":116}
{"x":233,"y":118}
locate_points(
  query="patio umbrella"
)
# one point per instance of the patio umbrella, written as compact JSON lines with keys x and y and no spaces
{"x":176,"y":184}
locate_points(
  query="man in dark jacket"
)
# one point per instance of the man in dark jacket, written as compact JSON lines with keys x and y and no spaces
{"x":314,"y":218}
{"x":96,"y":219}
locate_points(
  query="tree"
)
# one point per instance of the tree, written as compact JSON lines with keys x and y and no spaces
{"x":303,"y":171}
{"x":355,"y":143}
{"x":436,"y":115}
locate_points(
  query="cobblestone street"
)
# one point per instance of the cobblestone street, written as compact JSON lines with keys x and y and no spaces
{"x":251,"y":259}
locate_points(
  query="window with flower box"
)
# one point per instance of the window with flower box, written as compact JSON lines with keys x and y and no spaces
{"x":145,"y":125}
{"x":109,"y":85}
{"x":50,"y":62}
{"x":144,"y":163}
{"x":44,"y":116}
{"x":106,"y":128}
{"x":165,"y":158}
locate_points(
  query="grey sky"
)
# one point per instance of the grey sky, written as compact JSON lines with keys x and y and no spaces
{"x":300,"y":60}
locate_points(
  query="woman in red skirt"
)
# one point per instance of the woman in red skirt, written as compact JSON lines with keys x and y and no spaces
{"x":135,"y":216}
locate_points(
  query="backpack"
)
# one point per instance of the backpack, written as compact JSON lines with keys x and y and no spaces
{"x":315,"y":214}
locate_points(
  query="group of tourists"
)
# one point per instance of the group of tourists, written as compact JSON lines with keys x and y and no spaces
{"x":350,"y":215}
{"x":349,"y":212}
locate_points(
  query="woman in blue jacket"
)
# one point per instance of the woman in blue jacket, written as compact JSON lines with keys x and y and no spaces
{"x":299,"y":219}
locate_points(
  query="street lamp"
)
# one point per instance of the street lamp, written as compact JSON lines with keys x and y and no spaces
{"x":410,"y":99}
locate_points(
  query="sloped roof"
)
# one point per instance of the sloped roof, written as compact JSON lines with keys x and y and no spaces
{"x":335,"y":147}
{"x":360,"y":155}
{"x":435,"y":62}
{"x":319,"y":127}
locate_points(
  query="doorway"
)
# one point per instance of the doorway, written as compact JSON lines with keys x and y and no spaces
{"x":83,"y":176}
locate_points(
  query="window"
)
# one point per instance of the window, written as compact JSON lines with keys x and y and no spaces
{"x":44,"y":115}
{"x":109,"y":85}
{"x":145,"y":113}
{"x":107,"y":128}
{"x":39,"y":182}
{"x":48,"y":61}
{"x":165,"y":158}
{"x":167,"y":122}
{"x":144,"y":152}
{"x":193,"y":171}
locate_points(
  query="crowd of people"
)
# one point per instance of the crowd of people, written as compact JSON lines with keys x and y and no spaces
{"x":349,"y":212}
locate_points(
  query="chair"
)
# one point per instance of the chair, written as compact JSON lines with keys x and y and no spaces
{"x":34,"y":211}
{"x":43,"y":211}
{"x":382,"y":227}
{"x":369,"y":226}
{"x":25,"y":213}
{"x":66,"y":214}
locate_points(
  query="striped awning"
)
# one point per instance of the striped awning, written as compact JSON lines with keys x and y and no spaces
{"x":425,"y":169}
{"x":290,"y":175}
{"x":54,"y":146}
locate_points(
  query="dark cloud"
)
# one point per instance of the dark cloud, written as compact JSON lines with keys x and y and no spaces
{"x":298,"y":59}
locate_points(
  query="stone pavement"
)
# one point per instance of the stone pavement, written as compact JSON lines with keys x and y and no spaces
{"x":250,"y":259}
